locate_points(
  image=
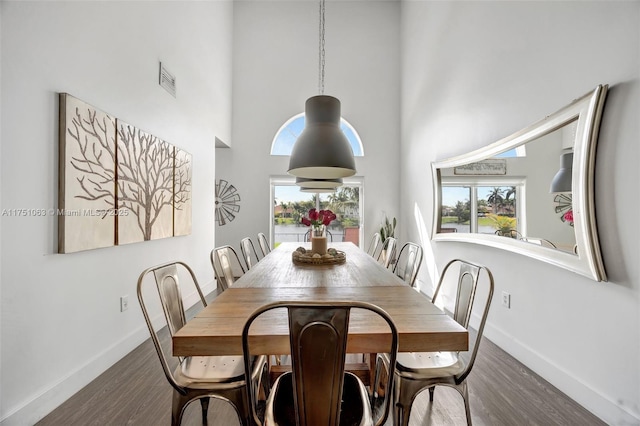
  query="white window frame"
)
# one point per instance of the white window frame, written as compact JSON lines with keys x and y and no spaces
{"x":475,"y":182}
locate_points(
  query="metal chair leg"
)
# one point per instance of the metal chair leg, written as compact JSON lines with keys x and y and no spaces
{"x":177,"y":407}
{"x":467,"y":405}
{"x":204,"y":402}
{"x":376,"y":379}
{"x":402,"y":408}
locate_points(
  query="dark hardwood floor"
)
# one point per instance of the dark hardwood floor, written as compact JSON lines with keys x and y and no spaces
{"x":502,"y":391}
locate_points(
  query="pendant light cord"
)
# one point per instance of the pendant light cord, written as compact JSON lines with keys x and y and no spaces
{"x":321,"y":51}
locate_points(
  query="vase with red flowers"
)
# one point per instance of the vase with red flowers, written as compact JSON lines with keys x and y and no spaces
{"x":318,"y":220}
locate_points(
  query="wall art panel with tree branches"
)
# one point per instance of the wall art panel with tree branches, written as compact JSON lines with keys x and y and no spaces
{"x":182,"y":193}
{"x":117,"y":183}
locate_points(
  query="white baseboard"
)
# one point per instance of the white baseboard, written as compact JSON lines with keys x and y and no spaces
{"x":600,"y":405}
{"x":48,"y":399}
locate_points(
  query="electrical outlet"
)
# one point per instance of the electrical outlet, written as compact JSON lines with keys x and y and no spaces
{"x":506,"y":300}
{"x":124,"y":303}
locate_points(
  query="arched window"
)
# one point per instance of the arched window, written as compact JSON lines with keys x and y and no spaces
{"x":287,"y":135}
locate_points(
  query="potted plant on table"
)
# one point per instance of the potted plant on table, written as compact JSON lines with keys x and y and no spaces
{"x":387,"y":229}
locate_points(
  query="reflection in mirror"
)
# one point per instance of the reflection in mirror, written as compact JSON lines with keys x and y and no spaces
{"x":502,"y":201}
{"x":531,"y":192}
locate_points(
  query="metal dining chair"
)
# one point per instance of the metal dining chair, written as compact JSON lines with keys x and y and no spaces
{"x":408,"y":263}
{"x":387,"y":255}
{"x":264,"y":244}
{"x":416,"y":371}
{"x":318,"y":391}
{"x":249,"y":253}
{"x":198,"y":377}
{"x":375,"y":245}
{"x":226,"y":266}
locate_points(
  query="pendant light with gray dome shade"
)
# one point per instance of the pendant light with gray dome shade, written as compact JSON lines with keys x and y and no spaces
{"x":322,"y":151}
{"x":319,"y":190}
{"x":319,"y":183}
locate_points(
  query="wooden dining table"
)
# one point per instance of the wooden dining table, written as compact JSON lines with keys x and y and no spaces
{"x":217,"y":329}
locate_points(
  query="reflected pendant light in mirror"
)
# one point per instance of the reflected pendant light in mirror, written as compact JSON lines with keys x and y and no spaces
{"x":322,"y":151}
{"x":562,"y":180}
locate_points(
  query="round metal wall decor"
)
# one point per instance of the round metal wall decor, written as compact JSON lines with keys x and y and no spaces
{"x":227,"y":202}
{"x":564,"y":208}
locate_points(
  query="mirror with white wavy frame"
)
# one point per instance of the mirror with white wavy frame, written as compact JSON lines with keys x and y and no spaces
{"x":531,"y":193}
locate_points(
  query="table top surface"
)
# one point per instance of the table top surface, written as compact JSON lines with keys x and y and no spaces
{"x":217,"y":329}
{"x":278,"y":270}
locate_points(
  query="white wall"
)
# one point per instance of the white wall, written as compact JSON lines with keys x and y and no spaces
{"x":474,"y":72}
{"x":61,"y":324}
{"x":275,"y":70}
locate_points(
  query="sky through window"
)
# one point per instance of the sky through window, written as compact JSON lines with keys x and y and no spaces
{"x":289,"y":132}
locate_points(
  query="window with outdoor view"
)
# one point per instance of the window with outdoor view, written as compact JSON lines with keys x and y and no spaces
{"x":290,"y":205}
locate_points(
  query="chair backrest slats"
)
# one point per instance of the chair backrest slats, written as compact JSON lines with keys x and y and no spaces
{"x":168,"y":286}
{"x":467,"y":285}
{"x":374,"y":245}
{"x":319,"y":342}
{"x":170,"y":297}
{"x":408,"y":263}
{"x":249,"y":253}
{"x":466,"y":292}
{"x":264,"y":244}
{"x":318,"y":335}
{"x":387,"y":255}
{"x":226,"y":266}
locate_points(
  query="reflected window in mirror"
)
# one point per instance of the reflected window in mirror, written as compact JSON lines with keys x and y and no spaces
{"x":492,"y":208}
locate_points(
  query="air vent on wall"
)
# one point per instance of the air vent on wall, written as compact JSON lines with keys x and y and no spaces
{"x":167,"y":80}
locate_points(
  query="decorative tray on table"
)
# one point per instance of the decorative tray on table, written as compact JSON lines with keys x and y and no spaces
{"x":307,"y":257}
